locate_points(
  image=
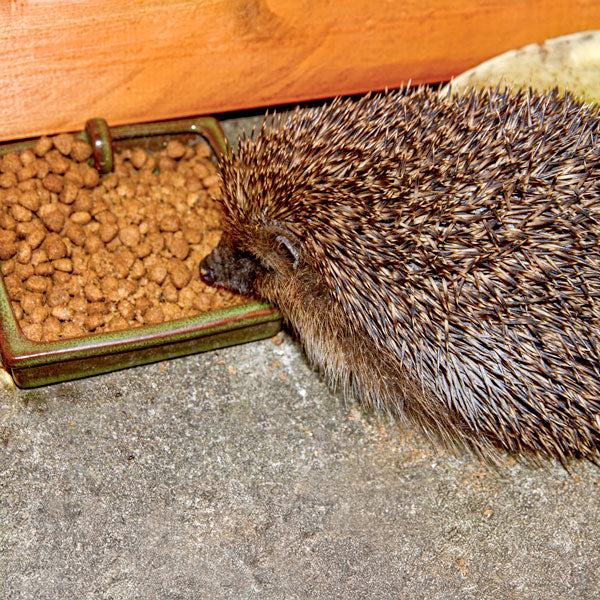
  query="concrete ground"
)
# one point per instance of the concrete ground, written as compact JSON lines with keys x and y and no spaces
{"x":238,"y":474}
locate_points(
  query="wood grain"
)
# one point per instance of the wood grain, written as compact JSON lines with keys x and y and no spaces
{"x":63,"y":61}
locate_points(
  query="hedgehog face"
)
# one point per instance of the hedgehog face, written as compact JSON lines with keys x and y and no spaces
{"x":253,"y":263}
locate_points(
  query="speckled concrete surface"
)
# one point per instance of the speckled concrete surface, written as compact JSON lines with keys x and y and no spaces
{"x":238,"y":474}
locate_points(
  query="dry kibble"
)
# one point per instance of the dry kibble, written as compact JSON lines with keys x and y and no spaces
{"x":71,"y":330}
{"x":29,"y":302}
{"x":35,"y":237}
{"x":26,"y":173}
{"x":157,"y":273}
{"x":211,"y":181}
{"x":94,"y":321}
{"x":78,"y":304}
{"x":93,"y":244}
{"x":61,"y":278}
{"x":30,"y":200}
{"x":53,"y":183}
{"x":37,"y":283}
{"x":170,"y":293}
{"x":175,"y":149}
{"x":170,"y":223}
{"x":64,"y":143}
{"x":179,"y":248}
{"x":42,"y":168}
{"x":63,"y":264}
{"x":43,"y":145}
{"x":7,"y":236}
{"x":54,"y":220}
{"x":116,"y":324}
{"x":23,"y":252}
{"x":84,"y":202}
{"x":108,"y":231}
{"x":23,"y":271}
{"x":179,"y":273}
{"x":202,"y":303}
{"x":62,"y":313}
{"x":84,"y":254}
{"x":8,"y":180}
{"x":81,"y":151}
{"x":97,"y":308}
{"x":11,"y":163}
{"x":81,"y":217}
{"x":127,"y":309}
{"x":166,"y":163}
{"x":130,"y":236}
{"x":93,"y":293}
{"x":20,"y":213}
{"x":69,"y":193}
{"x":57,"y":162}
{"x":90,"y":177}
{"x":75,"y":233}
{"x":44,"y":268}
{"x":138,"y":158}
{"x":38,"y":256}
{"x":54,"y":246}
{"x":32,"y":331}
{"x":39,"y":313}
{"x":154,"y":315}
{"x":7,"y":222}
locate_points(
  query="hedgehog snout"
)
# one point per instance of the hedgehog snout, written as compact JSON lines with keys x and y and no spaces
{"x":229,"y":268}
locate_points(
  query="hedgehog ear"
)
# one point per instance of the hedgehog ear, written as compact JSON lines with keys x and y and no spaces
{"x":288,"y":248}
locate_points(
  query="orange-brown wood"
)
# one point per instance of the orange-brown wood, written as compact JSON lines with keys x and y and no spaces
{"x":63,"y":61}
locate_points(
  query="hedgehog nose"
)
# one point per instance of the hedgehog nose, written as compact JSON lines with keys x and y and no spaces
{"x":207,"y":273}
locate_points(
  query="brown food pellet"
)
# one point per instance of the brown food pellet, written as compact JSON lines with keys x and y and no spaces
{"x":35,"y":237}
{"x":83,"y":254}
{"x":180,"y":274}
{"x":63,"y":264}
{"x":69,"y":193}
{"x":81,"y":151}
{"x":54,"y":220}
{"x":81,"y":217}
{"x":76,"y":234}
{"x":37,"y":283}
{"x":108,"y":231}
{"x":54,"y":246}
{"x":57,"y":162}
{"x":154,"y":315}
{"x":43,"y":145}
{"x":11,"y":163}
{"x":44,"y":268}
{"x":23,"y":252}
{"x":20,"y":213}
{"x":138,"y":158}
{"x":64,"y":142}
{"x":175,"y":149}
{"x":53,"y":183}
{"x":25,"y":173}
{"x":130,"y":236}
{"x":62,"y":313}
{"x":32,"y":331}
{"x":38,"y":314}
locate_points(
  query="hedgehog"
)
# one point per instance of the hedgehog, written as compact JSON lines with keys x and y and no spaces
{"x":437,"y":256}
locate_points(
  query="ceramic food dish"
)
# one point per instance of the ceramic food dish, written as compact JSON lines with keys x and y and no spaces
{"x":34,"y":364}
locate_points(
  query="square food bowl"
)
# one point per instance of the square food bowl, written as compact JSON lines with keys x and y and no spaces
{"x":33,"y":364}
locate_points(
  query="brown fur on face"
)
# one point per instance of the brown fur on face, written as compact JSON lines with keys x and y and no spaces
{"x":439,"y":257}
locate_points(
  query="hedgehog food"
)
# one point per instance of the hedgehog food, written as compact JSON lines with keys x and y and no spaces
{"x":82,"y":253}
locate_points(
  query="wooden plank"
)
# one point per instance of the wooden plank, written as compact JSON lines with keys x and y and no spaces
{"x":64,"y":61}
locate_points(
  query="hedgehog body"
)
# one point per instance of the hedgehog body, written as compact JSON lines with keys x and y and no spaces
{"x":437,"y":256}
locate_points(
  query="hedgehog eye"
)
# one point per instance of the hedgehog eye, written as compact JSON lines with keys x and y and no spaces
{"x":288,"y":249}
